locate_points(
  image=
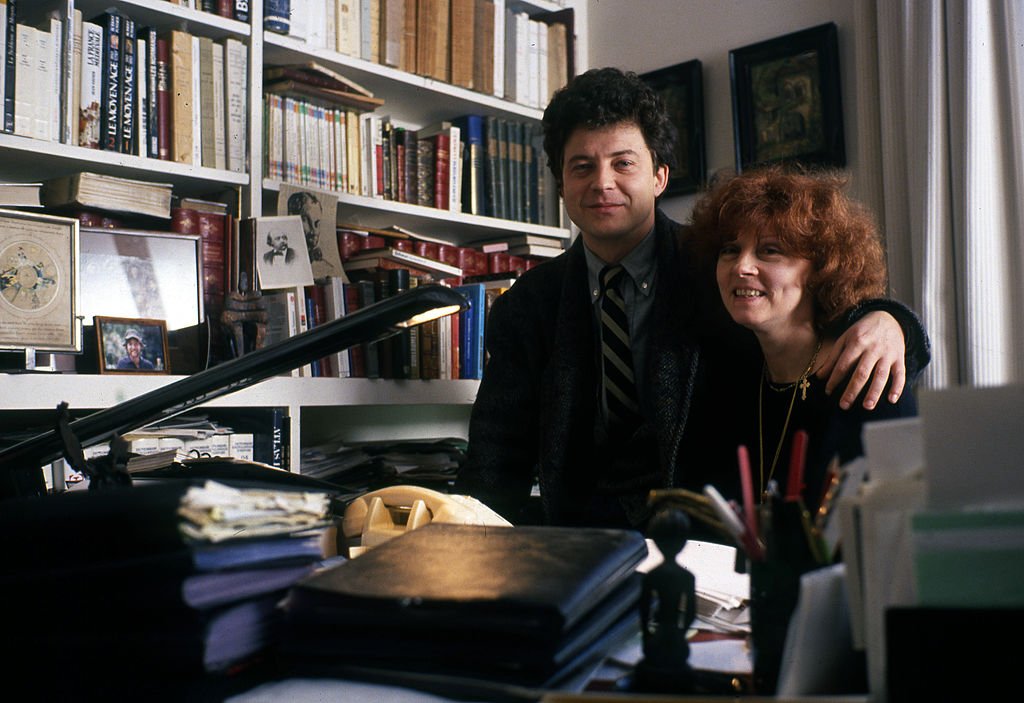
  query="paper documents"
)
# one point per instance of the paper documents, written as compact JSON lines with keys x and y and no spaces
{"x":216,"y":512}
{"x":723,"y":596}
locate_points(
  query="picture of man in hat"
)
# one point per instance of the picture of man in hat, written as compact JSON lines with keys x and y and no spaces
{"x":133,"y":346}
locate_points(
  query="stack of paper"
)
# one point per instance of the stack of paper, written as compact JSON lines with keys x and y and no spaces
{"x":158,"y":581}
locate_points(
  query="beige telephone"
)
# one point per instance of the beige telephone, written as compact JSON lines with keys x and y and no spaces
{"x":377,"y":516}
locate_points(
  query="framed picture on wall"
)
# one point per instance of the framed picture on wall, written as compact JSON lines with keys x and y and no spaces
{"x":681,"y":88}
{"x":786,"y":100}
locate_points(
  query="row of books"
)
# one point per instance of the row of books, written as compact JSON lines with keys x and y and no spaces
{"x":231,"y":9}
{"x":108,"y":83}
{"x":445,"y":349}
{"x":481,"y":45}
{"x":482,"y":165}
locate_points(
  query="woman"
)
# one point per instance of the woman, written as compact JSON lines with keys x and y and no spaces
{"x":792,"y":254}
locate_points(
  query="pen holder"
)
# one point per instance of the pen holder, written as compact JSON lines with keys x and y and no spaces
{"x":774,"y":588}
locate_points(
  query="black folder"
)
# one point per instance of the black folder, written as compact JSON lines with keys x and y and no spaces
{"x":522,"y":605}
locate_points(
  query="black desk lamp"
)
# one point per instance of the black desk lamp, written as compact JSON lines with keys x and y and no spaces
{"x":21,"y":465}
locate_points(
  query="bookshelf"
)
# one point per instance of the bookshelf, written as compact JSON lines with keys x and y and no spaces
{"x":317,"y":407}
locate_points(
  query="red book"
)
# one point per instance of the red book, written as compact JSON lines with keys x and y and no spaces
{"x":357,"y":352}
{"x":374,"y":241}
{"x":183,"y":221}
{"x":349,"y":243}
{"x":516,"y":265}
{"x":211,"y":229}
{"x":402,"y":244}
{"x":427,"y":249}
{"x":441,"y":168}
{"x":498,"y":262}
{"x":163,"y":99}
{"x":226,"y":8}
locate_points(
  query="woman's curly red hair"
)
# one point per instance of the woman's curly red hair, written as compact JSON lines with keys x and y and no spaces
{"x":812,"y":218}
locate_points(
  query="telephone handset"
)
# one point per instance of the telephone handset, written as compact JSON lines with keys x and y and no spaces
{"x":377,"y":516}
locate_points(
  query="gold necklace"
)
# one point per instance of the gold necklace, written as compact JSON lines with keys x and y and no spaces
{"x":801,"y":384}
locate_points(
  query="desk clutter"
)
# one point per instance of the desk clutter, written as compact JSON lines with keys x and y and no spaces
{"x":138,"y":586}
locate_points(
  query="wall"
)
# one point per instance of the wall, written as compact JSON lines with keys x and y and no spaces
{"x":642,"y":35}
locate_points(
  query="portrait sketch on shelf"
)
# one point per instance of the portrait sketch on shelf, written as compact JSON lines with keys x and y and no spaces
{"x":283,"y":260}
{"x":318,"y":211}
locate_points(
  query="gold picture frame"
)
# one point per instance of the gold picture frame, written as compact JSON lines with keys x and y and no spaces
{"x":39,"y":282}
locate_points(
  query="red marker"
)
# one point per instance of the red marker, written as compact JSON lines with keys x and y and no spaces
{"x":747,"y":485}
{"x":795,"y":484}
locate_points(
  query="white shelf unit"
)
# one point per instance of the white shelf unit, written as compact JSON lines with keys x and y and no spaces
{"x":319,"y":408}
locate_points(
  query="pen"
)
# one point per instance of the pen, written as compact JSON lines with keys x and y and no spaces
{"x":747,"y":485}
{"x":795,"y":484}
{"x":733,"y":525}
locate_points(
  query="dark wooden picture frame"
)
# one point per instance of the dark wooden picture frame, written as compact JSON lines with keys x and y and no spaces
{"x":681,"y":87}
{"x":112,"y":345}
{"x":786,"y":100}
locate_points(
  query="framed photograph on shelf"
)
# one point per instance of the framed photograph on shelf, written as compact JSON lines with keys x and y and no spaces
{"x":786,"y":100}
{"x":681,"y":88}
{"x":39,"y":270}
{"x":131,"y":345}
{"x":142,"y":274}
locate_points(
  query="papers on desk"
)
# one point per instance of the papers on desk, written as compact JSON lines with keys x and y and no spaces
{"x":723,"y":596}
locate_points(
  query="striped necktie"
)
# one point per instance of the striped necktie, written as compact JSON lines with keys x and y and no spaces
{"x":617,"y":359}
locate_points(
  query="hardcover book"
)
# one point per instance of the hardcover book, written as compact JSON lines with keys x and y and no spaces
{"x":539,"y":599}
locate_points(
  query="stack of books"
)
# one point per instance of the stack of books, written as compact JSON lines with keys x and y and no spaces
{"x":543,"y":603}
{"x":147,"y":584}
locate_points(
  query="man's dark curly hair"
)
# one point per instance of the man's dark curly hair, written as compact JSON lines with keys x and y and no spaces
{"x":602,"y":97}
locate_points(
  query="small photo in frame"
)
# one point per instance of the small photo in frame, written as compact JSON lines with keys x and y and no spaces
{"x":282,"y":260}
{"x":131,"y":345}
{"x":681,"y":88}
{"x":786,"y":100}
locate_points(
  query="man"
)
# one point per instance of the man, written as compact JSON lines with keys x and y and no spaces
{"x":544,"y":413}
{"x":308,"y":206}
{"x":279,"y":251}
{"x":133,"y":347}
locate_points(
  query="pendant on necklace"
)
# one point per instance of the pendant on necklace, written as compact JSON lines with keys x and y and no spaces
{"x":804,"y":385}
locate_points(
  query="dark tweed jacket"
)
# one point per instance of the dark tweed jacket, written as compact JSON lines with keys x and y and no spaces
{"x":535,"y":409}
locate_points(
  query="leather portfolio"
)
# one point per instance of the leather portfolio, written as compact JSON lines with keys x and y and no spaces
{"x":523,"y":605}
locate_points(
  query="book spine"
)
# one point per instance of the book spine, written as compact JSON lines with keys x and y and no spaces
{"x":110,"y":118}
{"x":180,"y":50}
{"x":10,"y":58}
{"x":196,"y":103}
{"x":242,"y":10}
{"x":151,"y":143}
{"x":70,"y":56}
{"x":206,"y":117}
{"x":129,"y":86}
{"x":401,"y":343}
{"x":367,"y":297}
{"x":462,"y":28}
{"x":442,"y":166}
{"x":356,"y":353}
{"x":24,"y":109}
{"x":236,"y":62}
{"x":92,"y":86}
{"x":163,"y":99}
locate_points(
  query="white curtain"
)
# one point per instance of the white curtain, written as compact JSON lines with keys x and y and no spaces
{"x":951,"y":82}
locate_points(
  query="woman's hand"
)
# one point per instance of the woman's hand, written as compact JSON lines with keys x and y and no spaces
{"x":872,"y":349}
